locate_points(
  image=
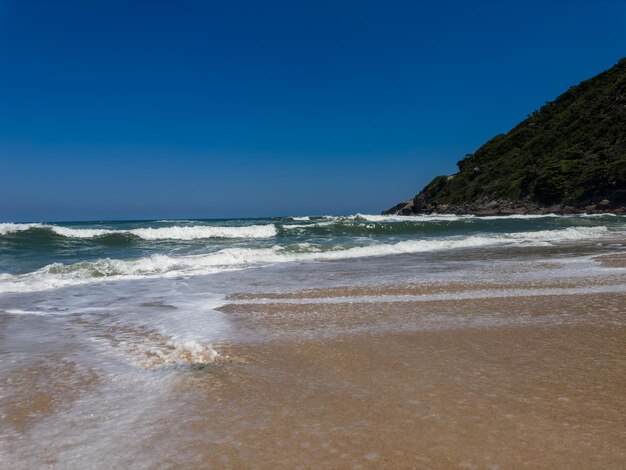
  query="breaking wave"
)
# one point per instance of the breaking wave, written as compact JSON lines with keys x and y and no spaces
{"x":453,"y":217}
{"x":58,"y":274}
{"x":363,"y":225}
{"x":162,"y":233}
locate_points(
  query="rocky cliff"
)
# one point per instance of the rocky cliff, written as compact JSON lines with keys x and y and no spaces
{"x":567,"y":157}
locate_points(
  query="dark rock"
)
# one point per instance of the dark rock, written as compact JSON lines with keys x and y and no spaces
{"x":407,"y":209}
{"x":418,"y":204}
{"x":395,"y":209}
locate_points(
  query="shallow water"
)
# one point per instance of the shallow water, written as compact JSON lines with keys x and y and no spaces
{"x":117,"y":337}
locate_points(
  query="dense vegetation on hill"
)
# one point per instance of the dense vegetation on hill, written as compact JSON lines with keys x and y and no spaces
{"x":569,"y":154}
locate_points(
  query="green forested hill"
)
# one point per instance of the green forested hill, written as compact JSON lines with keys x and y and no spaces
{"x":571,"y":153}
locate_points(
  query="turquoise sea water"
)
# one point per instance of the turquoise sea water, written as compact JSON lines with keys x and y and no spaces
{"x":40,"y":256}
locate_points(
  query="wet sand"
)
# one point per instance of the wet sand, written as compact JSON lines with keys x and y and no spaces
{"x":546,"y":393}
{"x":613,"y":260}
{"x":505,"y":398}
{"x":428,"y":288}
{"x":511,"y":373}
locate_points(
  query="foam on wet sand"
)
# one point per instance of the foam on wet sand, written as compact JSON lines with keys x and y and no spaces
{"x":514,"y":362}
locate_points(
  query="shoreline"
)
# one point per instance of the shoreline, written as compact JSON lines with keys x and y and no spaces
{"x":473,"y":359}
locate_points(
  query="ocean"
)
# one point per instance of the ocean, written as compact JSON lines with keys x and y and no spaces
{"x":117,"y":336}
{"x":41,"y":256}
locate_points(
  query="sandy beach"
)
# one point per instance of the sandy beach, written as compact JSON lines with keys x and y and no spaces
{"x":497,"y":350}
{"x":545,"y":393}
{"x":420,"y":375}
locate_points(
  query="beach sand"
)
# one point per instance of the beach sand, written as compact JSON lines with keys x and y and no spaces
{"x":461,"y":374}
{"x":545,"y":393}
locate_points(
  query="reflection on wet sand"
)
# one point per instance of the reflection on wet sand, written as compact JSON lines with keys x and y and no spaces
{"x":543,"y":396}
{"x":506,"y":373}
{"x":41,"y":389}
{"x":613,"y":260}
{"x":425,"y":288}
{"x":495,"y":382}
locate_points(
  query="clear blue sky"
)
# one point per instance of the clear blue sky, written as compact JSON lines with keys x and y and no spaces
{"x":121,"y":109}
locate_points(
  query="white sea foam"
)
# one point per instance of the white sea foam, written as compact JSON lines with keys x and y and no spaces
{"x":300,"y":218}
{"x":9,"y":227}
{"x":162,"y":233}
{"x":196,"y":232}
{"x":317,"y":224}
{"x":567,"y":234}
{"x":79,"y":232}
{"x":471,"y":294}
{"x":58,"y":275}
{"x":541,"y":216}
{"x":329,"y":220}
{"x":520,"y":216}
{"x":453,"y":217}
{"x":407,"y":218}
{"x":172,"y":353}
{"x":172,"y":221}
{"x":19,"y":311}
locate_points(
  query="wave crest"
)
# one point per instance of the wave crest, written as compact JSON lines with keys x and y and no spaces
{"x":162,"y":233}
{"x":58,"y":275}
